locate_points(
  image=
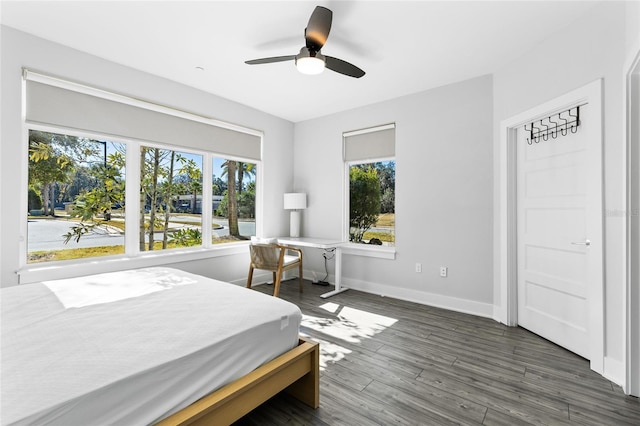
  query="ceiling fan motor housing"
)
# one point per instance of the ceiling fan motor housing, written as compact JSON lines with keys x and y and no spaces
{"x":305,"y":52}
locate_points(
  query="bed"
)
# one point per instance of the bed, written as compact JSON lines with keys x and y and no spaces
{"x":146,"y":346}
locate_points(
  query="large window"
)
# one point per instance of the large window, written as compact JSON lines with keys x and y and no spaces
{"x":371,"y":171}
{"x":191,"y":184}
{"x":77,"y":201}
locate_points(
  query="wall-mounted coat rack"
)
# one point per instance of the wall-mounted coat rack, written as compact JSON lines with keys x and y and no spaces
{"x":556,"y":125}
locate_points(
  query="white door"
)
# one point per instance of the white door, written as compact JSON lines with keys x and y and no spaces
{"x":559,"y":233}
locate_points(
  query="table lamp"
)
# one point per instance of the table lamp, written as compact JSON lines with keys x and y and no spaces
{"x":295,"y":201}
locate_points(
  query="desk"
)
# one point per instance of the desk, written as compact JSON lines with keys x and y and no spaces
{"x":321,"y":243}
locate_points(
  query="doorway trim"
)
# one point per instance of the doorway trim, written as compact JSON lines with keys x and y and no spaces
{"x":507,"y":311}
{"x":631,"y":306}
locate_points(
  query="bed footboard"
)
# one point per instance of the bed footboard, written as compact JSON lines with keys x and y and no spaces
{"x":296,"y":371}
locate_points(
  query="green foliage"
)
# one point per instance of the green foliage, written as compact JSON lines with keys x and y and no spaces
{"x":387,"y":176}
{"x":78,"y":231}
{"x":219,"y":186}
{"x":53,"y":159}
{"x":364,"y":200}
{"x":246,"y":204}
{"x":187,"y":237}
{"x":99,"y":200}
{"x":34,"y":200}
{"x":223,"y":206}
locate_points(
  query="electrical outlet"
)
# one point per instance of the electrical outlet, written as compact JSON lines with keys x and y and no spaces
{"x":418,"y":267}
{"x":443,"y":271}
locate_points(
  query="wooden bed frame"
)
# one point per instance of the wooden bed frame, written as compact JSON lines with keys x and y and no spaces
{"x":297,"y":372}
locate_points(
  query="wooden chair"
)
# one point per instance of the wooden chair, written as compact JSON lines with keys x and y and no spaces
{"x":274,"y":258}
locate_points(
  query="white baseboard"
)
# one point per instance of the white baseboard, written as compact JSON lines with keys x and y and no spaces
{"x":422,"y":297}
{"x":465,"y":306}
{"x":614,"y":370}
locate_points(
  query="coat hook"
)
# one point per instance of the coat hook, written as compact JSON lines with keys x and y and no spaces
{"x":563,"y":128}
{"x":545,"y":134}
{"x":530,"y":138}
{"x":535,"y":132}
{"x":554,"y":125}
{"x":554,"y":130}
{"x":576,"y":123}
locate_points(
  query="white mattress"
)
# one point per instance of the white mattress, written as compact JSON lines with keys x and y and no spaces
{"x":132,"y":347}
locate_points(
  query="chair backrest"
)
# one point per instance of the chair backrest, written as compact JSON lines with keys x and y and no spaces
{"x":265,"y":256}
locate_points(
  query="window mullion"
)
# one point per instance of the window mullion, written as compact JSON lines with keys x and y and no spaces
{"x":132,"y":200}
{"x":207,"y":200}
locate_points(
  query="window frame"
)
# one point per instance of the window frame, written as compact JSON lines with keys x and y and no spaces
{"x":133,"y":257}
{"x":382,"y":252}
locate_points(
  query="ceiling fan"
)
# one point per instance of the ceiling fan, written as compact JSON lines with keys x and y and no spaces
{"x":310,"y":60}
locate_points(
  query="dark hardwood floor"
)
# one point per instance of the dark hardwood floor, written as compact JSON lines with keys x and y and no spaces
{"x":386,"y":361}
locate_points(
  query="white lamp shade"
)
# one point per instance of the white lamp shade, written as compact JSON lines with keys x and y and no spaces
{"x":295,"y":201}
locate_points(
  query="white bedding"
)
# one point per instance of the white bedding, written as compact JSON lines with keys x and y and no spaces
{"x":131,"y":347}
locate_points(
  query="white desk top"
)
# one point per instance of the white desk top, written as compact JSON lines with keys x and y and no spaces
{"x":322,"y":243}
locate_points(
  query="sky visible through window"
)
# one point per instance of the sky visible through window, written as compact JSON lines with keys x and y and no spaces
{"x":197,"y":158}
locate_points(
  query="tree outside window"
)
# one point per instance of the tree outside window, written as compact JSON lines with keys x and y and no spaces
{"x":76,"y":189}
{"x":372,"y":203}
{"x":237,"y":188}
{"x":76,"y":198}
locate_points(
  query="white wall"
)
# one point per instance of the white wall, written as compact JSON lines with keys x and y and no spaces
{"x":591,"y":48}
{"x":443,"y":194}
{"x":23,"y":50}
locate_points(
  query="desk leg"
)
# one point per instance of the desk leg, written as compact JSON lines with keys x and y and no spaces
{"x":338,"y":278}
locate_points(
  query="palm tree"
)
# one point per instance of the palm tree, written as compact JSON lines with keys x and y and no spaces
{"x":229,"y":168}
{"x":194,"y":174}
{"x":245,"y":169}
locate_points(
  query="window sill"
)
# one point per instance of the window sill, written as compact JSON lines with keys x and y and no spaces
{"x":380,"y":252}
{"x":72,"y":268}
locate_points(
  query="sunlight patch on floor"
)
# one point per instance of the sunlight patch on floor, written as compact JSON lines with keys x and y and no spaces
{"x":346,"y":324}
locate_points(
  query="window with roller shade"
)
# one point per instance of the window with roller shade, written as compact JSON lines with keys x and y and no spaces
{"x":81,"y":141}
{"x":369,"y":156}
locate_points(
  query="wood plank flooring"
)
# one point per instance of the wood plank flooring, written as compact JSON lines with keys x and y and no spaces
{"x":386,"y":361}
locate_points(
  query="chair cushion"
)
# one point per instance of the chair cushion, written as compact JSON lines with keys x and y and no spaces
{"x":257,"y":240}
{"x":288,"y":260}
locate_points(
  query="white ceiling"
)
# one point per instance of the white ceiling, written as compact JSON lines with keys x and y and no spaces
{"x":405,"y":47}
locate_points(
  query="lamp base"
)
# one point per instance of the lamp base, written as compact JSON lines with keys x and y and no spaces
{"x":294,"y":225}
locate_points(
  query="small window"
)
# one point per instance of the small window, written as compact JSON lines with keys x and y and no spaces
{"x":371,"y":168}
{"x":234,"y":200}
{"x":372,"y":203}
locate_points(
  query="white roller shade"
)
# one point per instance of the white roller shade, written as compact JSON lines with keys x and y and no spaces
{"x":53,"y":105}
{"x":370,"y":144}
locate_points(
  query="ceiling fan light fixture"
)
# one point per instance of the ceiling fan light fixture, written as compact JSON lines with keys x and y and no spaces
{"x":309,"y":62}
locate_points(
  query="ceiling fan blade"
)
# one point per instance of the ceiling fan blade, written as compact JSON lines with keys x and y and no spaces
{"x":318,"y":28}
{"x":343,"y":67}
{"x":270,"y":60}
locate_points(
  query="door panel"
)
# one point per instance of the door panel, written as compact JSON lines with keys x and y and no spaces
{"x":554,"y":215}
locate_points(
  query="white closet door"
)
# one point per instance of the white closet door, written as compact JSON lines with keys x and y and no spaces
{"x":559,"y":234}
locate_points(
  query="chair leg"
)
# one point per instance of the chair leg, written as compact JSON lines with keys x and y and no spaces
{"x":300,"y":276}
{"x":276,"y":284}
{"x":250,"y":277}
